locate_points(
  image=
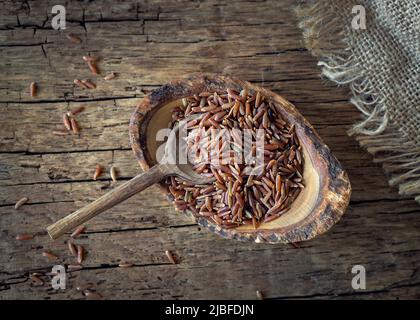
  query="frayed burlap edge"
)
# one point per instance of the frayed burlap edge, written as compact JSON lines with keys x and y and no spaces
{"x":325,"y":38}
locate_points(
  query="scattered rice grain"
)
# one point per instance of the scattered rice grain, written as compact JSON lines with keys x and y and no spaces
{"x":49,"y":255}
{"x":33,"y":88}
{"x":73,"y":38}
{"x":170,"y":257}
{"x":24,"y":236}
{"x":21,"y":202}
{"x":79,"y":230}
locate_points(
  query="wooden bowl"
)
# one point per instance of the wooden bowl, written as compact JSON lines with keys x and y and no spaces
{"x":327,"y":188}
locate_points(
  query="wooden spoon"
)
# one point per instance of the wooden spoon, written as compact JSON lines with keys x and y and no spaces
{"x":167,"y":167}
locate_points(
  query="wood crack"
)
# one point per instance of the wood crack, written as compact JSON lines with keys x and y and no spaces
{"x":71,"y":100}
{"x":367,"y":201}
{"x":36,"y":203}
{"x":25,"y":274}
{"x":31,"y":153}
{"x":11,"y":45}
{"x":120,"y":230}
{"x":348,"y":294}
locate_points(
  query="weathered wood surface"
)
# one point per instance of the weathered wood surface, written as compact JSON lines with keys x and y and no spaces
{"x":148,"y":43}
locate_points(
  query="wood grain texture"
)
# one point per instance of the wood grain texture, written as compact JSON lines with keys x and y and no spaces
{"x":147,"y":43}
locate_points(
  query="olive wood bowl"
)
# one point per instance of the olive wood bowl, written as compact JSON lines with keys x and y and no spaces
{"x":327,"y":188}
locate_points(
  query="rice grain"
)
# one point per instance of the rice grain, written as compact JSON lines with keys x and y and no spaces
{"x":93,"y":67}
{"x":49,"y":255}
{"x":88,"y":84}
{"x":72,"y":248}
{"x":98,"y":172}
{"x":74,"y":267}
{"x":36,"y":280}
{"x":77,"y":110}
{"x":73,"y":38}
{"x":80,"y":254}
{"x":74,"y":126}
{"x":125,"y":265}
{"x":80,"y":84}
{"x":110,"y":76}
{"x":33,"y":88}
{"x":92,"y":295}
{"x":24,"y":236}
{"x":21,"y":202}
{"x":170,"y":257}
{"x":79,"y":230}
{"x":60,"y":132}
{"x":66,"y":122}
{"x":113,"y":173}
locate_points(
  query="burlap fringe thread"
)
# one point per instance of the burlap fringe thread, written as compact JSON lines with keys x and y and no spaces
{"x":325,"y":38}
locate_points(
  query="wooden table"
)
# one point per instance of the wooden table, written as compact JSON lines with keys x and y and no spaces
{"x":149,"y":43}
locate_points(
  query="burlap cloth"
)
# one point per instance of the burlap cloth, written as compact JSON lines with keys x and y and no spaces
{"x":381,"y":65}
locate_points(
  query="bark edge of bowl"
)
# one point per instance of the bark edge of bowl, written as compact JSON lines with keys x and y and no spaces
{"x":335,"y":190}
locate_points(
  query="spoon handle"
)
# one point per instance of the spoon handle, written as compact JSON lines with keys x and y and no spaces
{"x":109,"y":200}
